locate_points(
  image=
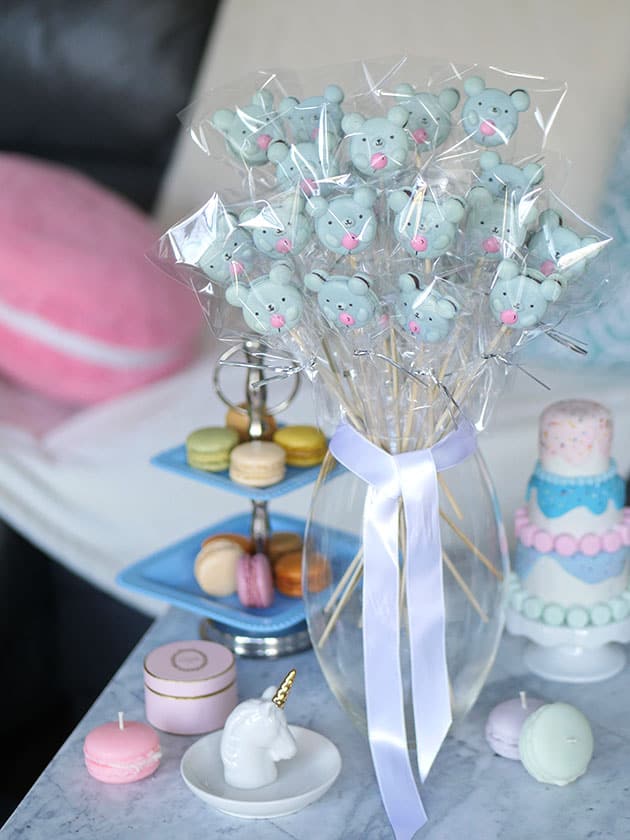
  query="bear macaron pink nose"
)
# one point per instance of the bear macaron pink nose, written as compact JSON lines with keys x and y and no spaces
{"x":419,"y":243}
{"x":346,"y":319}
{"x":378,"y":160}
{"x":263,"y":141}
{"x":413,"y":327}
{"x":277,"y":321}
{"x":548,"y":267}
{"x":420,"y":135}
{"x":487,"y":128}
{"x":283,"y":246}
{"x":308,"y":186}
{"x":491,"y":245}
{"x":350,"y":240}
{"x":509,"y":316}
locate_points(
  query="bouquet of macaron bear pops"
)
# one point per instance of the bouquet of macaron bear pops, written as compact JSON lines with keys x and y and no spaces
{"x":392,"y":232}
{"x":395,"y":237}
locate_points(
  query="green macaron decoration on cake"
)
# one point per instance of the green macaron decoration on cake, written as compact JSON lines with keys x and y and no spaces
{"x":209,"y":448}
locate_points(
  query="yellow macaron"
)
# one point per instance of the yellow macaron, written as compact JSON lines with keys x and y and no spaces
{"x":305,"y":446}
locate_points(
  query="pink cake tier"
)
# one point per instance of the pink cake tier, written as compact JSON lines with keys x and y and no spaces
{"x":575,"y":437}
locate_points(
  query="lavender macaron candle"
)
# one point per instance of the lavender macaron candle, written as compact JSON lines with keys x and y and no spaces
{"x":505,"y":722}
{"x":190,"y":687}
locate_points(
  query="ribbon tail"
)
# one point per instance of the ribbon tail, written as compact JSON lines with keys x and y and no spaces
{"x":383,"y":680}
{"x":425,"y":609}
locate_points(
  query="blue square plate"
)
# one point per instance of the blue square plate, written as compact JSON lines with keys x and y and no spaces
{"x":296,"y":477}
{"x":168,"y":575}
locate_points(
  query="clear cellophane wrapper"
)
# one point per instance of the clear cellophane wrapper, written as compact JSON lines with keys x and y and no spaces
{"x":394,"y":231}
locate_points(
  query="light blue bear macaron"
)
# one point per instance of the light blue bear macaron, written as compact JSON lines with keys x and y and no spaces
{"x":310,"y":165}
{"x":229,"y":251}
{"x":249,"y":130}
{"x":558,"y":250}
{"x":272,"y":303}
{"x":424,"y":312}
{"x":347,"y":223}
{"x":347,"y":303}
{"x":498,"y":177}
{"x":378,"y":145}
{"x":495,"y":228}
{"x":429,"y":114}
{"x":520,"y":301}
{"x":424,"y":227}
{"x":490,"y":116}
{"x":307,"y":118}
{"x":278,"y":230}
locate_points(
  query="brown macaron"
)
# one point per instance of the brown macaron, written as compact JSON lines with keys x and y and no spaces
{"x":282,"y":542}
{"x":238,"y":419}
{"x":288,"y":574}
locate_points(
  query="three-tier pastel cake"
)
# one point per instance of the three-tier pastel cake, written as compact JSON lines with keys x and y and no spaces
{"x":572,"y":557}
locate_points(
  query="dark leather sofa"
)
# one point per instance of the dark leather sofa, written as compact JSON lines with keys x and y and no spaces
{"x":96,"y":86}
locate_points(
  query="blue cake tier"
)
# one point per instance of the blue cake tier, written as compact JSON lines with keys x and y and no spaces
{"x":557,"y":494}
{"x":595,"y":569}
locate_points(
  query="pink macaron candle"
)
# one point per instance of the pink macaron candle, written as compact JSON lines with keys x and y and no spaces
{"x":122,"y":752}
{"x":190,"y":687}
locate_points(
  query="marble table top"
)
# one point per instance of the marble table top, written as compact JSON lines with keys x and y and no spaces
{"x":471,"y":793}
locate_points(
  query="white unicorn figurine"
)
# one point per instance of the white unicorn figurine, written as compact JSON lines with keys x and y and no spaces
{"x":256,"y":735}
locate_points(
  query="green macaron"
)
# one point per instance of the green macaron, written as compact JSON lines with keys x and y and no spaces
{"x":209,"y":449}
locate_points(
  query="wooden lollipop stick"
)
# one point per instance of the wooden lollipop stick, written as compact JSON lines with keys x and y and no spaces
{"x":450,"y":497}
{"x":358,"y":557}
{"x":464,"y":586}
{"x":356,"y":577}
{"x":479,"y":554}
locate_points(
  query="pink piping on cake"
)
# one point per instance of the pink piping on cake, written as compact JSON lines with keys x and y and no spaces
{"x":531,"y":536}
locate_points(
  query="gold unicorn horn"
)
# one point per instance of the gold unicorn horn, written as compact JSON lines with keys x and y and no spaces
{"x":280,"y":697}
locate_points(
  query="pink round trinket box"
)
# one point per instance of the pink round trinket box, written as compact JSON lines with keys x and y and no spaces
{"x":190,"y":687}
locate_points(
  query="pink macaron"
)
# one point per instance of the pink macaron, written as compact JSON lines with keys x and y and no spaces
{"x":122,"y":752}
{"x":254,"y":581}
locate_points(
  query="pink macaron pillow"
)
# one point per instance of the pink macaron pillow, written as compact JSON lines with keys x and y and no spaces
{"x":84,"y":316}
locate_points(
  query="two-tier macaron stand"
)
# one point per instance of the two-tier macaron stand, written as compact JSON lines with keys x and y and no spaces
{"x":168,"y":574}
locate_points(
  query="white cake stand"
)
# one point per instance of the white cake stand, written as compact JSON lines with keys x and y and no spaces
{"x":563,"y":654}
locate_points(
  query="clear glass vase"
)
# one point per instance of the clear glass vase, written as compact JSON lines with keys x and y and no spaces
{"x":475,"y":559}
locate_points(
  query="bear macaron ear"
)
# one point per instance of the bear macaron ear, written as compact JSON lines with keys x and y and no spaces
{"x":277,"y":151}
{"x":520,"y":99}
{"x":408,"y":282}
{"x":263,"y":99}
{"x":533,"y":173}
{"x":507,"y":269}
{"x":448,"y":99}
{"x":223,"y":119}
{"x":479,"y":197}
{"x":446,"y":307}
{"x":398,"y":200}
{"x":551,"y":289}
{"x":398,"y":116}
{"x":287,"y":105}
{"x":404,"y":89}
{"x":236,"y":295}
{"x":549,"y":219}
{"x":487,"y":160}
{"x":315,"y":280}
{"x":281,"y":273}
{"x":453,"y":210}
{"x":365,"y":196}
{"x":333,"y":94}
{"x":359,"y":284}
{"x":474,"y":85}
{"x":352,"y":123}
{"x":316,"y":206}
